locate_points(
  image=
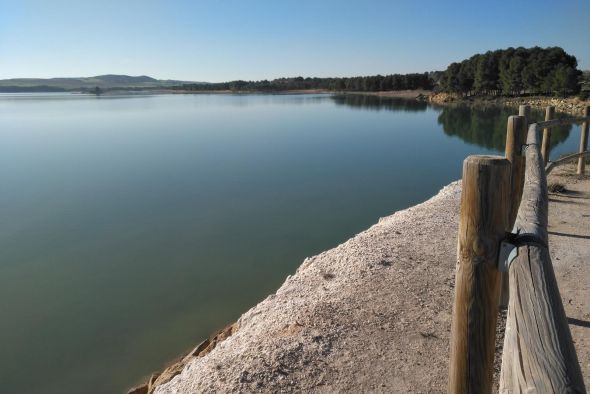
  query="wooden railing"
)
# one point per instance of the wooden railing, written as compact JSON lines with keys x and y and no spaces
{"x":503,"y":227}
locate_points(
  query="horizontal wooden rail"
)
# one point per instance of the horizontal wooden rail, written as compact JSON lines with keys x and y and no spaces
{"x":563,"y":160}
{"x":539,"y":355}
{"x":562,"y":121}
{"x":583,"y":150}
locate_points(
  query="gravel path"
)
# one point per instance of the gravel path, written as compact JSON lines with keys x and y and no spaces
{"x":569,"y":244}
{"x":374,"y":313}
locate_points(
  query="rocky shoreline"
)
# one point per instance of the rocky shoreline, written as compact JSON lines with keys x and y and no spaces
{"x":570,"y":105}
{"x":202,"y":349}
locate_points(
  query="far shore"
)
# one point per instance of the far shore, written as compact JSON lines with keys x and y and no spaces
{"x":294,"y":91}
{"x":572,"y":105}
{"x":407,"y":94}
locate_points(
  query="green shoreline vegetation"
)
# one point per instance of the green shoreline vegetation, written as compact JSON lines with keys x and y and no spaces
{"x":515,"y":72}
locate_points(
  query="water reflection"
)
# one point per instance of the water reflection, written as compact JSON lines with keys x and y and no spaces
{"x":484,"y":126}
{"x":378,"y":103}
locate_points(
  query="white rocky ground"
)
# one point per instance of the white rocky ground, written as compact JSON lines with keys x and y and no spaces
{"x":374,"y":314}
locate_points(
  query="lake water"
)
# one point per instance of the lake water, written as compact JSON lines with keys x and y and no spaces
{"x":134,"y":226}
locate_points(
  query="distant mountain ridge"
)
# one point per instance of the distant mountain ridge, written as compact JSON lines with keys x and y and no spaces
{"x":108,"y":81}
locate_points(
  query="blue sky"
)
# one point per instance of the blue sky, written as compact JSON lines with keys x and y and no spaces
{"x":226,"y":40}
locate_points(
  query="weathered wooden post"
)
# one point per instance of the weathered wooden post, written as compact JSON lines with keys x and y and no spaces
{"x":525,"y":110}
{"x":583,"y":142}
{"x":482,"y":225}
{"x":546,"y":144}
{"x":515,"y":138}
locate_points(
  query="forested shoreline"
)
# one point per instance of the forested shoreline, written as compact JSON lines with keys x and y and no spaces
{"x":504,"y":72}
{"x":514,"y":71}
{"x":508,"y":72}
{"x":371,"y":83}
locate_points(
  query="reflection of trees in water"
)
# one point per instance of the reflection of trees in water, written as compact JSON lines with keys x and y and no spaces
{"x":378,"y":103}
{"x":486,"y":126}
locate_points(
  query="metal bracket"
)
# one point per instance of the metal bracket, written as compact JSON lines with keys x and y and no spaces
{"x":524,"y":147}
{"x":509,"y":247}
{"x":506,"y":255}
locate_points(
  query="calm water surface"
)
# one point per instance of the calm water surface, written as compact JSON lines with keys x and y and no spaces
{"x":132,"y":227}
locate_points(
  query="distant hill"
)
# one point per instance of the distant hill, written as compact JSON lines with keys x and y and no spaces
{"x":109,"y":81}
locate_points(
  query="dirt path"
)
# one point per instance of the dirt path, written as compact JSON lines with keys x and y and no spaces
{"x":569,"y":244}
{"x":374,"y":314}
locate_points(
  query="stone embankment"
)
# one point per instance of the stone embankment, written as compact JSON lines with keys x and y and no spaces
{"x":374,"y":313}
{"x":571,"y":105}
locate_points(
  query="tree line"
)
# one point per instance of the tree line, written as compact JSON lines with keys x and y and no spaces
{"x":356,"y":84}
{"x":514,"y":71}
{"x":31,"y":89}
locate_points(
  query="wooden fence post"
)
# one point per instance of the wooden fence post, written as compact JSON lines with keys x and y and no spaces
{"x":482,"y":225}
{"x":516,"y":132}
{"x":546,"y":144}
{"x":525,"y":110}
{"x":515,"y":138}
{"x":583,"y":142}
